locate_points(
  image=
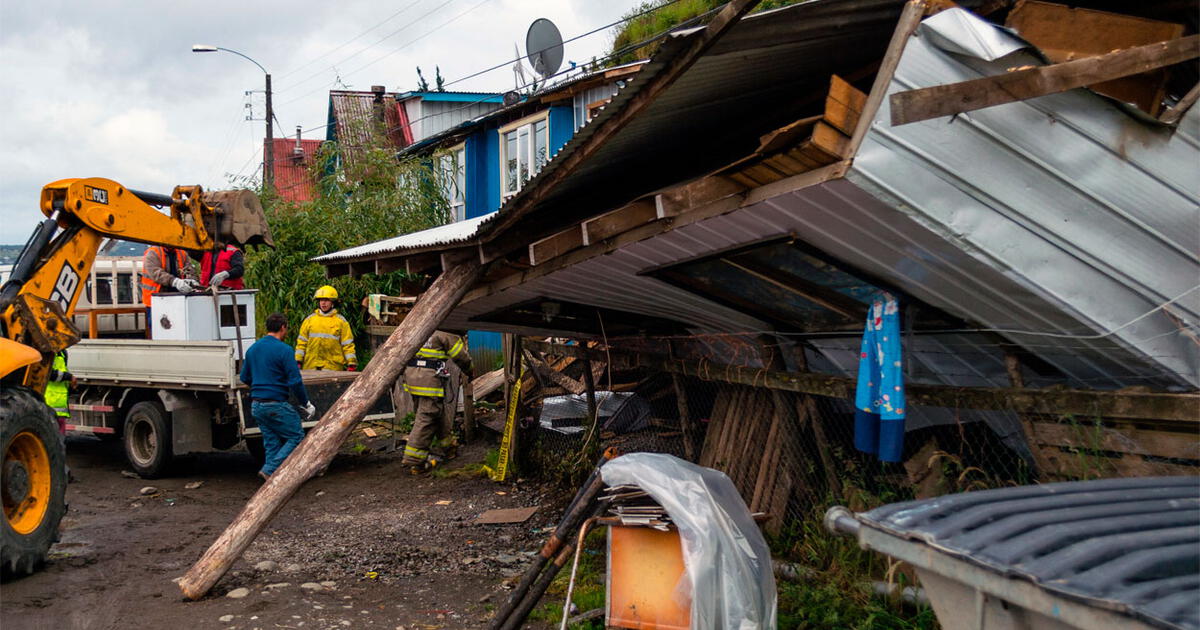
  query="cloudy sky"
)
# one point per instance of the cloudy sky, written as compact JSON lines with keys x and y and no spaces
{"x":112,"y":89}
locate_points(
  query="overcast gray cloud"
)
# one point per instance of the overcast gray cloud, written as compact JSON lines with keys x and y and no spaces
{"x":112,"y":89}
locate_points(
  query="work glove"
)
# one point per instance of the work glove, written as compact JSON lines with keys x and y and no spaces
{"x":181,"y":285}
{"x":310,"y":410}
{"x":299,"y":365}
{"x":218,"y":278}
{"x":351,"y":368}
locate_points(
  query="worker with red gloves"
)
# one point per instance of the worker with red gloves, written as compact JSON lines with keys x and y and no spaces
{"x":325,"y":341}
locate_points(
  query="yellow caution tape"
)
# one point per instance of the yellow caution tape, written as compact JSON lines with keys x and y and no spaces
{"x":501,"y":470}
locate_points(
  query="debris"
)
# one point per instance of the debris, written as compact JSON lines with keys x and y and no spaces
{"x":292,"y":568}
{"x":509,"y":515}
{"x":130,"y":474}
{"x":193,"y":485}
{"x":444,"y":502}
{"x":148,"y":490}
{"x":169,"y":501}
{"x":312,"y":586}
{"x":371,"y":575}
{"x":501,"y":492}
{"x":369,"y":432}
{"x":279,"y":585}
{"x":267,"y":565}
{"x":225,"y":618}
{"x":329,"y":584}
{"x":319,"y":493}
{"x":238,"y":593}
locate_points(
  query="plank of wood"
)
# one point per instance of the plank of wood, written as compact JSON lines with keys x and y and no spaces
{"x":910,"y":19}
{"x":843,"y":105}
{"x":686,"y":422}
{"x":831,"y":141}
{"x":956,"y":98}
{"x":554,"y":376}
{"x":321,"y":444}
{"x":770,"y":459}
{"x":1063,"y":34}
{"x":488,"y":383}
{"x":555,"y":245}
{"x":618,"y":221}
{"x":715,"y":416}
{"x":787,"y":136}
{"x":1172,"y":115}
{"x":1121,"y":439}
{"x":506,"y":515}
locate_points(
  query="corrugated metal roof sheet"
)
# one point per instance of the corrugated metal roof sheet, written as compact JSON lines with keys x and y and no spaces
{"x":354,"y":117}
{"x":1131,"y":544}
{"x":293,"y":180}
{"x":449,"y":234}
{"x":1088,"y":214}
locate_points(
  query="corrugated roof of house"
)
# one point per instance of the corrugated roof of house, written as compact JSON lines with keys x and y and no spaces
{"x":355,"y":117}
{"x":293,"y":179}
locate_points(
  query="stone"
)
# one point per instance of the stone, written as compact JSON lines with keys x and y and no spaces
{"x":278,"y":585}
{"x":292,"y":568}
{"x":238,"y":593}
{"x":345,"y":623}
{"x":225,"y":618}
{"x":148,"y":490}
{"x":193,"y":485}
{"x":311,"y":586}
{"x":267,"y":565}
{"x":329,"y":584}
{"x":320,"y":493}
{"x":505,"y":558}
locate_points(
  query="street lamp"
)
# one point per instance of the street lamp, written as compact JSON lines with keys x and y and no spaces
{"x":269,"y":166}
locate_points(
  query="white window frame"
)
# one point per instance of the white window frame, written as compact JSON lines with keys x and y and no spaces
{"x":452,"y":167}
{"x":524,"y":128}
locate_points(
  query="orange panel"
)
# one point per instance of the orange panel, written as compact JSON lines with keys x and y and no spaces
{"x":644,"y":569}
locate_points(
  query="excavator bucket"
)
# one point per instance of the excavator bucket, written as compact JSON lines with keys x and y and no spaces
{"x":240,"y":218}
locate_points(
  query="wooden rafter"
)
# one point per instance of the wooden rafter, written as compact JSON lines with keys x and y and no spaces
{"x":956,"y":98}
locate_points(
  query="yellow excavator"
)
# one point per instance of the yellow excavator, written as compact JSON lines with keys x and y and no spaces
{"x":36,"y":307}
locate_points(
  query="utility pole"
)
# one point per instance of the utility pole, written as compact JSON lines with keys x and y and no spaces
{"x":269,"y":160}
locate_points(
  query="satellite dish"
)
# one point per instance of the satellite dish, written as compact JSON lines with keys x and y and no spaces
{"x":544,"y":47}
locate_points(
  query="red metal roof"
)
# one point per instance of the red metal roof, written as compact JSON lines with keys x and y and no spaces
{"x":293,"y":179}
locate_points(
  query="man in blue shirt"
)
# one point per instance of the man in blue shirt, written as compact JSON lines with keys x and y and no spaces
{"x":270,"y":371}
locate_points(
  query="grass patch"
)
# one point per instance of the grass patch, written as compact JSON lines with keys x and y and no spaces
{"x":589,"y":590}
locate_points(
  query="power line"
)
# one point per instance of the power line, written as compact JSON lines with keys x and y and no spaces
{"x":366,"y":48}
{"x":351,"y":41}
{"x":591,"y":32}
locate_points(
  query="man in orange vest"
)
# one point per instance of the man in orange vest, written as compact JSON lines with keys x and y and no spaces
{"x":165,"y":267}
{"x":223,"y":268}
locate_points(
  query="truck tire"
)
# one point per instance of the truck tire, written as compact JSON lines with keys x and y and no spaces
{"x":33,"y":481}
{"x":147,"y":439}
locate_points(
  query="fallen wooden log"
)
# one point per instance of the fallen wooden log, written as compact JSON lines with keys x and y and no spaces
{"x":321,"y":444}
{"x":488,"y":383}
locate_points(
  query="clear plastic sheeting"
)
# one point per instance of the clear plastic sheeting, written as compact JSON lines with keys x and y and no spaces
{"x":725,"y":556}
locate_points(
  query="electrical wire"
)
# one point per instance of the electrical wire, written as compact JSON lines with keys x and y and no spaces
{"x":381,"y":40}
{"x":350,"y":41}
{"x":566,"y":41}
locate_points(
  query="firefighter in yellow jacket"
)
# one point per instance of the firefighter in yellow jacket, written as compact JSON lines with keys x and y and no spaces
{"x":325,"y":341}
{"x":425,"y":378}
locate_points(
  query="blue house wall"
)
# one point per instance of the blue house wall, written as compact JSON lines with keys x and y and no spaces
{"x":483,"y":197}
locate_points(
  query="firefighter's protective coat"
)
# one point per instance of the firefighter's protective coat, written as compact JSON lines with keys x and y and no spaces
{"x":325,"y":342}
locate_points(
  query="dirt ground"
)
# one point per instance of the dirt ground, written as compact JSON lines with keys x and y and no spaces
{"x":383,"y":549}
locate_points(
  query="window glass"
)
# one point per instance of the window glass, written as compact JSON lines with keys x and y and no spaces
{"x":523,"y":153}
{"x":541,"y":144}
{"x":511,"y":183}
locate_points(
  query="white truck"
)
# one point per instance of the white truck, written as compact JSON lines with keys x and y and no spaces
{"x":167,"y":397}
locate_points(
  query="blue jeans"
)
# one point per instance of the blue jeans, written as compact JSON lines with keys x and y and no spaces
{"x":281,"y":431}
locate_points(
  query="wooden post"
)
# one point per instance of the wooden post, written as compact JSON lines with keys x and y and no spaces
{"x":686,"y":424}
{"x":468,"y":388}
{"x":321,"y":444}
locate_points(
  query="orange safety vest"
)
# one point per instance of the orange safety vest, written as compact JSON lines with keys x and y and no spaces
{"x":149,"y":286}
{"x":207,"y":271}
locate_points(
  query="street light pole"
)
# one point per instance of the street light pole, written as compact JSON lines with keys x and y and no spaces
{"x":269,"y":153}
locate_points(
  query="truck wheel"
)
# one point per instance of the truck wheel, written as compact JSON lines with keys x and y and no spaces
{"x":33,"y":481}
{"x":148,"y":439}
{"x":259,"y":452}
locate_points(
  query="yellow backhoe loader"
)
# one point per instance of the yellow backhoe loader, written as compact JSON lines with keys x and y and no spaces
{"x":36,"y":307}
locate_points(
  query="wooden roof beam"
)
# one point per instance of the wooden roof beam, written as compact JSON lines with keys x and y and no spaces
{"x":966,"y":96}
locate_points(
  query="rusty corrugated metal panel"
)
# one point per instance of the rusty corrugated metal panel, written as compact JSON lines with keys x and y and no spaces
{"x":358,"y":116}
{"x":293,"y":177}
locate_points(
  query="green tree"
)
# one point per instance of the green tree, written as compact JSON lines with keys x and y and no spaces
{"x":664,"y":16}
{"x":365,"y":195}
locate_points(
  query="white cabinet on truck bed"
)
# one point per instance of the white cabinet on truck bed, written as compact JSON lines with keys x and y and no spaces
{"x":202,"y":317}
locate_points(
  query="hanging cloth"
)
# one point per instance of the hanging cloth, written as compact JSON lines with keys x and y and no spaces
{"x":879,"y":399}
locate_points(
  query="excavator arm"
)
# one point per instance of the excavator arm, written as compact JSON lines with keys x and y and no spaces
{"x":37,"y":302}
